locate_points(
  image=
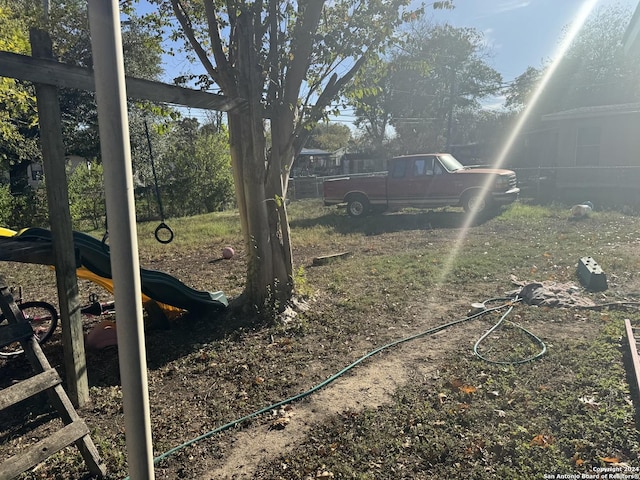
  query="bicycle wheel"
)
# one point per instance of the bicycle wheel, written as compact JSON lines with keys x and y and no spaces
{"x":43,"y":318}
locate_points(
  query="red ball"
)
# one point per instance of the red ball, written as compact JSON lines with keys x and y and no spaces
{"x":227,"y":252}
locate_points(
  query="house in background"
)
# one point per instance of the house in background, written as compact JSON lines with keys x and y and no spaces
{"x":600,"y":136}
{"x":596,"y":149}
{"x":313,"y":162}
{"x":362,"y":163}
{"x":587,"y":153}
{"x":24,"y":175}
{"x":31,"y":174}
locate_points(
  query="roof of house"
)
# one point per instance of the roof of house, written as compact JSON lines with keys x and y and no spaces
{"x":314,"y":151}
{"x":595,"y":111}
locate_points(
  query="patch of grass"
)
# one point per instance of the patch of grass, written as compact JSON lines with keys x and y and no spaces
{"x":302,"y":287}
{"x":189,"y":231}
{"x":522,"y":212}
{"x":563,"y":414}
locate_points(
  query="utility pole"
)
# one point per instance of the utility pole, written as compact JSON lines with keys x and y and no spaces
{"x":452,"y":102}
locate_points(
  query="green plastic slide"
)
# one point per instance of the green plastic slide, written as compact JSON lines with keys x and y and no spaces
{"x":159,"y":286}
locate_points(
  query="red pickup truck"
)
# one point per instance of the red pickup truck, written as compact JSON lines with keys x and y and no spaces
{"x":423,"y":181}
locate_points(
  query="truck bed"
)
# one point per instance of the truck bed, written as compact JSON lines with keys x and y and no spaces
{"x":374,"y":185}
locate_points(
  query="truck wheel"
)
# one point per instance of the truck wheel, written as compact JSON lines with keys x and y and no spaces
{"x":474,"y":203}
{"x":357,"y":206}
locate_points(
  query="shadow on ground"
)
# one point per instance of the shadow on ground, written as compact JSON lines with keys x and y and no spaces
{"x":405,"y":220}
{"x":186,"y":335}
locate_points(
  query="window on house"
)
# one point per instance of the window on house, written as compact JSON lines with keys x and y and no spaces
{"x":36,"y":172}
{"x":588,"y":146}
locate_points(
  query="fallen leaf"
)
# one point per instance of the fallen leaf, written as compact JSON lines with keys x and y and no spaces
{"x":610,"y":459}
{"x":542,"y":440}
{"x":501,"y":413}
{"x":589,"y":401}
{"x":280,"y":423}
{"x":324,"y":474}
{"x":468,"y":389}
{"x":441,"y":397}
{"x":456,"y":383}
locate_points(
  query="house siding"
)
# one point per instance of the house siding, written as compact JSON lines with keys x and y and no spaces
{"x":619,"y":140}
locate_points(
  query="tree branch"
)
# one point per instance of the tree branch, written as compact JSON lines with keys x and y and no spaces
{"x":185,"y":22}
{"x":302,"y":41}
{"x":334,"y":86}
{"x":272,"y":56}
{"x":222,"y":63}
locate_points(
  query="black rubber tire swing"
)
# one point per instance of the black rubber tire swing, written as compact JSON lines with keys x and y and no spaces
{"x":163,"y":227}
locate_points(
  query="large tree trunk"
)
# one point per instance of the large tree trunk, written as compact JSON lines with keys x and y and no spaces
{"x":259,"y":193}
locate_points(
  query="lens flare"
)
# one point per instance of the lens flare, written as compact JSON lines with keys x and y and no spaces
{"x":575,"y":27}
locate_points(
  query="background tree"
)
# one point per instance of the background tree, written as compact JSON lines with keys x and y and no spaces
{"x":18,"y":116}
{"x":282,"y":58}
{"x":19,"y":132}
{"x":520,"y":90}
{"x":371,"y":96}
{"x":86,"y":195}
{"x":329,"y":136}
{"x":199,"y":179}
{"x":441,"y":72}
{"x":69,"y":30}
{"x":594,"y":70}
{"x":428,"y":88}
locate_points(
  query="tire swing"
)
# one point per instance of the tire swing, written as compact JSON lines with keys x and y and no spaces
{"x":163,"y":232}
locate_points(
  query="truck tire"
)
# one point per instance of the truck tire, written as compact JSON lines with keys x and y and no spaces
{"x":357,"y":206}
{"x":474,"y":203}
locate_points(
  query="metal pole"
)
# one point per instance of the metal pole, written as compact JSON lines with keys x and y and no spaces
{"x":45,"y":10}
{"x":106,"y":44}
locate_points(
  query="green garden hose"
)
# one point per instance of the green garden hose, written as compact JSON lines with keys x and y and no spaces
{"x":542,"y":351}
{"x":334,"y":377}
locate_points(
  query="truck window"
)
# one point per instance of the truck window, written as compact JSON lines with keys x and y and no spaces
{"x":419,"y":168}
{"x":437,"y":168}
{"x":426,"y":165}
{"x":399,"y":169}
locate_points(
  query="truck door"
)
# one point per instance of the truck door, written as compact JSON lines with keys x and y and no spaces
{"x":396,"y":182}
{"x":410,"y":180}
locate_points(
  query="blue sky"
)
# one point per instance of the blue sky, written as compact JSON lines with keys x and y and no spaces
{"x":519,"y":33}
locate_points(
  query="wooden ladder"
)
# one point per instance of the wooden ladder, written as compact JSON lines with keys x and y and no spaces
{"x":46,"y":379}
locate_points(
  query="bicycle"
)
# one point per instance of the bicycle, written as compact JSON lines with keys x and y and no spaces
{"x":43,"y":318}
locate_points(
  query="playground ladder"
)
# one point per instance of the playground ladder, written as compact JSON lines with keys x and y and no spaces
{"x":46,"y":379}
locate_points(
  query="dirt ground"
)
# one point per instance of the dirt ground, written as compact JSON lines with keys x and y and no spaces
{"x":369,"y":386}
{"x":203,"y":374}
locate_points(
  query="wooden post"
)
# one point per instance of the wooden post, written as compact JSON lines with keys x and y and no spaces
{"x":61,"y":231}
